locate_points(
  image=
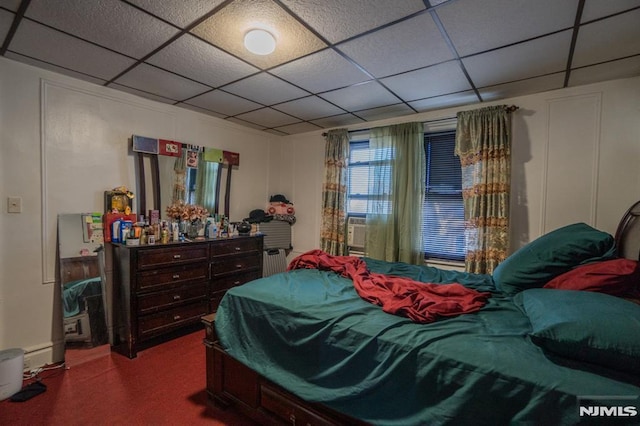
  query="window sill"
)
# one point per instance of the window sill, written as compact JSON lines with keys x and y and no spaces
{"x":445,"y":264}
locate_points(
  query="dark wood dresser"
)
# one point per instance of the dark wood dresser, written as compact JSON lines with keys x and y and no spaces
{"x":161,"y":289}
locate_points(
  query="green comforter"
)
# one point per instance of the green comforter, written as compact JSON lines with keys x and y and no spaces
{"x":310,"y":332}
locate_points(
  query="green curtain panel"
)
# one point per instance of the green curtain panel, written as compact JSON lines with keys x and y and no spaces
{"x":483,"y":143}
{"x":206,"y":179}
{"x":334,"y":193}
{"x":397,"y":178}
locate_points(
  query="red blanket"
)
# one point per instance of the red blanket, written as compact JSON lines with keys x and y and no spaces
{"x":420,"y":302}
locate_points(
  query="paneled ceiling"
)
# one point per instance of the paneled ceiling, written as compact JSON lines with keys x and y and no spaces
{"x":337,"y":62}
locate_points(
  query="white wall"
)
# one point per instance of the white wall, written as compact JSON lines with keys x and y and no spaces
{"x":575,"y":157}
{"x":64,"y":142}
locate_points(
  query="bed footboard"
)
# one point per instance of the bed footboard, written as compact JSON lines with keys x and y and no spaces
{"x":231,"y":383}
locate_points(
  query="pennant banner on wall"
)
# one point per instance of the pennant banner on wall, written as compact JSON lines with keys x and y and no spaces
{"x":144,"y":144}
{"x":213,"y":155}
{"x":170,"y":148}
{"x":231,"y":158}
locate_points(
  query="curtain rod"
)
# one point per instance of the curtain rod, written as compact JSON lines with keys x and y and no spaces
{"x":510,"y":108}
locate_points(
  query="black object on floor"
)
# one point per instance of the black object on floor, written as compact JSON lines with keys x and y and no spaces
{"x":29,"y":391}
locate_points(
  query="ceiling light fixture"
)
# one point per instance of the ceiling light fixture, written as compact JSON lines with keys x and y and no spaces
{"x":260,"y":42}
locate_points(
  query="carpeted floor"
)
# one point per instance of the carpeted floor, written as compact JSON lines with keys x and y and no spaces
{"x":164,"y":385}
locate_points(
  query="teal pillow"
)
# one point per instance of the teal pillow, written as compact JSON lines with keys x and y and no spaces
{"x":585,"y":326}
{"x":551,"y":255}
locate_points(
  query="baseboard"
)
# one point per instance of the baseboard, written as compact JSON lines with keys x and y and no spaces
{"x":36,"y":356}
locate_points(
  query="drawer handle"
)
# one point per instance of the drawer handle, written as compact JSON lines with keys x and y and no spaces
{"x":176,"y":297}
{"x":177,"y":256}
{"x":292,"y":419}
{"x":238,"y":266}
{"x":238,"y":248}
{"x":176,"y":317}
{"x":176,"y":276}
{"x":236,"y":283}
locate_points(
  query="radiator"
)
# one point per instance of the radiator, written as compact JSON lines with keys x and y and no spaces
{"x":277,"y":234}
{"x":274,"y":262}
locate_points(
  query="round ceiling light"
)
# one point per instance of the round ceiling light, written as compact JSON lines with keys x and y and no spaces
{"x":260,"y":42}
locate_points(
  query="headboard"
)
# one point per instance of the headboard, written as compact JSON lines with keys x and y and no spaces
{"x":628,"y":233}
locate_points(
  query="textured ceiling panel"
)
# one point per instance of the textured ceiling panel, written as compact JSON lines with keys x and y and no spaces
{"x":475,"y":26}
{"x":179,"y":12}
{"x":108,"y":23}
{"x":611,"y":38}
{"x":158,"y":82}
{"x":228,"y":27}
{"x":309,"y":108}
{"x":361,"y":96}
{"x":338,"y":63}
{"x":338,"y":20}
{"x":38,"y":41}
{"x":321,"y":71}
{"x":218,"y":100}
{"x":529,"y":59}
{"x":195,"y":59}
{"x":380,"y":53}
{"x":427,"y":82}
{"x":265,"y":89}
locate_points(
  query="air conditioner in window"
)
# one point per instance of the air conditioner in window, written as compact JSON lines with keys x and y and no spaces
{"x":356,"y":232}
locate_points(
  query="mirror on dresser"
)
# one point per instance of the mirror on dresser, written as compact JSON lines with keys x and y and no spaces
{"x":83,"y":283}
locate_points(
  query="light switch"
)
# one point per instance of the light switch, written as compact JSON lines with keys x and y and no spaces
{"x":14,"y":205}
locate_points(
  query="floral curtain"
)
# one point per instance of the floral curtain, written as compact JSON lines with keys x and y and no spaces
{"x":179,"y":177}
{"x":483,"y":143}
{"x":397,"y":178}
{"x":334,"y":193}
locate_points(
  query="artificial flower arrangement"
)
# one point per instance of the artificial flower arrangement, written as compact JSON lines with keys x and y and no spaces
{"x":187,"y":212}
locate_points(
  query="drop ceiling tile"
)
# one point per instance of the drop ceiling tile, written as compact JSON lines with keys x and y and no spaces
{"x":265,"y":89}
{"x":475,"y":26}
{"x":10,"y":4}
{"x":524,"y":87}
{"x":223,"y":103}
{"x":267,"y":117}
{"x":334,"y":19}
{"x":540,"y":56}
{"x":200,"y":110}
{"x":427,"y":82}
{"x":361,"y":96}
{"x":54,"y":68}
{"x":446,"y":101}
{"x":47,"y":45}
{"x":227,"y":28}
{"x":321,"y":71}
{"x":276,"y":132}
{"x":141,"y":93}
{"x":6,"y":19}
{"x":297,"y":128}
{"x":162,"y":83}
{"x":200,"y":61}
{"x":389,"y":50}
{"x":388,"y":111}
{"x":187,"y":12}
{"x":245,"y":123}
{"x":623,"y":68}
{"x":109,"y":23}
{"x":611,"y":38}
{"x":309,"y":108}
{"x":594,"y":9}
{"x":338,"y":121}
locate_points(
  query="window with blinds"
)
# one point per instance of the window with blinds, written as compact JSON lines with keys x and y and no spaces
{"x":443,"y":212}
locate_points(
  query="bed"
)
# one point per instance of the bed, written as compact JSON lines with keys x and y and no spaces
{"x":556,"y":341}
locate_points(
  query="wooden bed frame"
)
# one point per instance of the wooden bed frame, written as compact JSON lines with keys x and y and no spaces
{"x":232,"y":384}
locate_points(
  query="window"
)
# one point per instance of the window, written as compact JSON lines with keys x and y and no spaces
{"x":443,"y":211}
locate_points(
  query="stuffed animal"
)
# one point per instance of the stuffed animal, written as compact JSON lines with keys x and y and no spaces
{"x":281,"y":209}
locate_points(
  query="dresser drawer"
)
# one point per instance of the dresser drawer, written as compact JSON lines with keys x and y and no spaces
{"x":171,"y":277}
{"x":229,"y":281}
{"x":177,"y":255}
{"x":236,"y":245}
{"x":153,"y":302}
{"x":162,"y":322}
{"x":229,"y":264}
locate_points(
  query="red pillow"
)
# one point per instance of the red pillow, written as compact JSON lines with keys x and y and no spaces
{"x":617,"y":277}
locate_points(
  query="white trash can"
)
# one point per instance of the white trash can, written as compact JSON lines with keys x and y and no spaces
{"x":11,"y":366}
